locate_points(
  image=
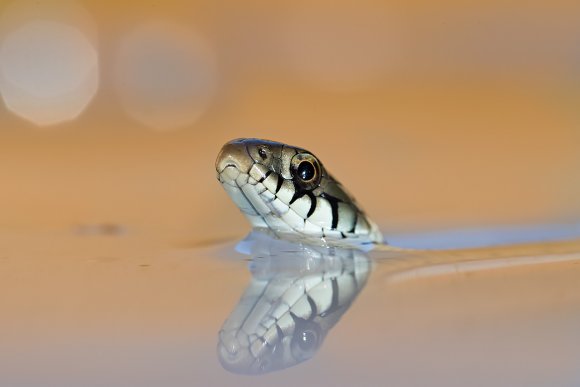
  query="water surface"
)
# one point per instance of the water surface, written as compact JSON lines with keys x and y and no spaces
{"x":118,"y":311}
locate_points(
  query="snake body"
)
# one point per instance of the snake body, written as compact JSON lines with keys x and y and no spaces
{"x":287,"y":191}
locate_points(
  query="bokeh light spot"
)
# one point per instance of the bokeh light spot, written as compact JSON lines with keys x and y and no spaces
{"x":165,"y":75}
{"x":48,"y":71}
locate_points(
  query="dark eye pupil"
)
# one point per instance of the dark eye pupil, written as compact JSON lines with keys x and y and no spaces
{"x":307,"y":340}
{"x":306,"y":170}
{"x":262,"y":153}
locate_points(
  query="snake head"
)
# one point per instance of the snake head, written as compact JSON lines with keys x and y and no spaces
{"x":288,"y":191}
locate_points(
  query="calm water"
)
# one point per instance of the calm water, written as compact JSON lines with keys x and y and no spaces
{"x":120,"y":311}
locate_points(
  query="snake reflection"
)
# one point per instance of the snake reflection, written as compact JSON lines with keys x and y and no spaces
{"x":297,"y":294}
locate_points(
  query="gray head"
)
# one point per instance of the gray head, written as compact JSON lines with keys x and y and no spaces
{"x":288,"y":191}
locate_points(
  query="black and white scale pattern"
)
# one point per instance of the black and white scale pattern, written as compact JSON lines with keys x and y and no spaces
{"x":271,"y":197}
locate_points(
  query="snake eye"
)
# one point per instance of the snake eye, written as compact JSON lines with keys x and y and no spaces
{"x":306,"y":170}
{"x":305,"y":342}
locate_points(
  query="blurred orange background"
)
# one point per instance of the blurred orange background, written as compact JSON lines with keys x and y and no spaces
{"x":435,"y":115}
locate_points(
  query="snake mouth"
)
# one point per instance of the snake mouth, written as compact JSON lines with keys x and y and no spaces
{"x":221,"y":168}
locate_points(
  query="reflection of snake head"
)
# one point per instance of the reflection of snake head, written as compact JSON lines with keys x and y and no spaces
{"x":285,"y":351}
{"x":287,"y":190}
{"x":295,"y":297}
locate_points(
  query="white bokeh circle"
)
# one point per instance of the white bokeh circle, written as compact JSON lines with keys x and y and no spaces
{"x":49,"y":71}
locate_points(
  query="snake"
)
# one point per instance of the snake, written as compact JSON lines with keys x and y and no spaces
{"x":313,"y":238}
{"x":287,"y":191}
